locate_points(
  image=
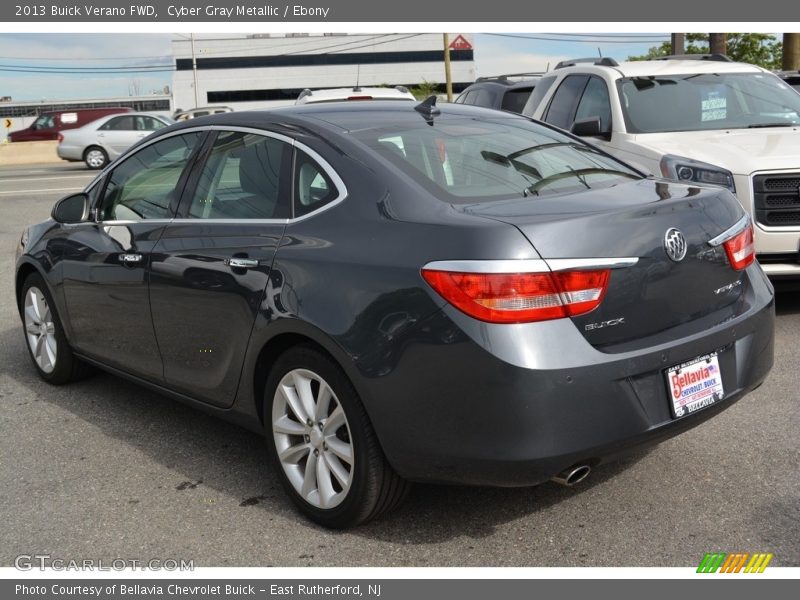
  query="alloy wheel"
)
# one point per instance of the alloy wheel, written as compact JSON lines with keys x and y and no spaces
{"x":95,"y":158}
{"x":40,"y":330}
{"x":312,"y":438}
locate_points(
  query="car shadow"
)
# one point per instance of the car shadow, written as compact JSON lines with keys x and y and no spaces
{"x":787,"y":296}
{"x":203,"y":450}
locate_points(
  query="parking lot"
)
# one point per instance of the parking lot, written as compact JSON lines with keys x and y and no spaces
{"x":106,"y":469}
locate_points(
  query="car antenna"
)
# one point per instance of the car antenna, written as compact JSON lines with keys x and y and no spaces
{"x":358,"y":76}
{"x":427,"y":108}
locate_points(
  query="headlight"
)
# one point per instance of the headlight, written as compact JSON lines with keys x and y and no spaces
{"x":694,"y":171}
{"x":23,"y":241}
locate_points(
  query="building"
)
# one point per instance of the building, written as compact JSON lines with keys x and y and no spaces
{"x":252,"y":71}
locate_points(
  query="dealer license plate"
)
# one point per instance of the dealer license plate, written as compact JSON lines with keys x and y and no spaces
{"x":694,"y":384}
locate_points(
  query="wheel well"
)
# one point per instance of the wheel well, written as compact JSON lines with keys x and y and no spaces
{"x":92,"y":147}
{"x":24,"y":271}
{"x":267,"y":357}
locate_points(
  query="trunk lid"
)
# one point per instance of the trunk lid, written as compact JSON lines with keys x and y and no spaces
{"x":631,"y":221}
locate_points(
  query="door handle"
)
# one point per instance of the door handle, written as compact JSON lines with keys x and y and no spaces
{"x":130,"y":258}
{"x":241,"y":263}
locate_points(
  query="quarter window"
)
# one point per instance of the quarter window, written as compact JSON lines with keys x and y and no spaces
{"x":144,"y":185}
{"x":312,"y":186}
{"x":143,"y":123}
{"x":243,"y":179}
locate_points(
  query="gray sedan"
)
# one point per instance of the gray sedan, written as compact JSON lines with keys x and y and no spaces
{"x":105,"y":139}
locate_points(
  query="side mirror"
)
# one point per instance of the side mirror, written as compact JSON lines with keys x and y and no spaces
{"x":71,"y":209}
{"x":589,"y":127}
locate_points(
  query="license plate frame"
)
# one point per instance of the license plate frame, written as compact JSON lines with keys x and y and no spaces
{"x":694,"y":385}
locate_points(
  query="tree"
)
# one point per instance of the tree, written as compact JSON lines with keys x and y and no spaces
{"x":425,"y":89}
{"x":759,"y":49}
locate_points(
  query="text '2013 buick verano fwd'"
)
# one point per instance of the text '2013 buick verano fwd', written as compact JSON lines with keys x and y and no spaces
{"x":395,"y":292}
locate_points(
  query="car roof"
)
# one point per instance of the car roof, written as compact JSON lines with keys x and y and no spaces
{"x":341,"y":117}
{"x":655,"y":68}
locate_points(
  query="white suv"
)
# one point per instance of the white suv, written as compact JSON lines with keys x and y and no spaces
{"x":397,"y":92}
{"x":706,"y":120}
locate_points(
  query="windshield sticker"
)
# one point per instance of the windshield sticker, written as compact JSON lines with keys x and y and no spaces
{"x":714,"y":107}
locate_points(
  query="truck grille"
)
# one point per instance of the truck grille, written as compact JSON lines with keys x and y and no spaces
{"x":777,"y":199}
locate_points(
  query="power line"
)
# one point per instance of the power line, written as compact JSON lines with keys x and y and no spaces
{"x":96,"y":70}
{"x":590,"y":40}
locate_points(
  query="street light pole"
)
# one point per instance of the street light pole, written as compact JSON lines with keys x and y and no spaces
{"x":194,"y":73}
{"x":448,"y":78}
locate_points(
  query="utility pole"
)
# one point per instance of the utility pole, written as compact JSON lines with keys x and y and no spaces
{"x":791,"y":51}
{"x":194,"y":73}
{"x":447,"y":77}
{"x":677,"y":40}
{"x":717,"y":43}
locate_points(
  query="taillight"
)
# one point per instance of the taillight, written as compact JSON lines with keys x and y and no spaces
{"x":520,"y":297}
{"x":60,"y":137}
{"x":740,"y":249}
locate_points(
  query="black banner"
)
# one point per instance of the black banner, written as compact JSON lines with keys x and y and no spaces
{"x":408,"y":11}
{"x":395,"y":589}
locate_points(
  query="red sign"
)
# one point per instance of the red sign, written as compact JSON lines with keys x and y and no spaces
{"x":460,"y":44}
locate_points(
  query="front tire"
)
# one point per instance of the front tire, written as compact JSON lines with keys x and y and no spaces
{"x":323,"y":445}
{"x":95,"y":157}
{"x":44,"y":335}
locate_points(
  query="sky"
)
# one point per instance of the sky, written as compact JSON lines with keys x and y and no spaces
{"x":494,"y":54}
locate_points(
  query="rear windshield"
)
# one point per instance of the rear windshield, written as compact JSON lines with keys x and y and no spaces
{"x":469,"y":159}
{"x":707,"y":101}
{"x":514,"y":100}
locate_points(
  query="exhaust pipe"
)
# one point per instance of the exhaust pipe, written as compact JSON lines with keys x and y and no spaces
{"x":572,"y":476}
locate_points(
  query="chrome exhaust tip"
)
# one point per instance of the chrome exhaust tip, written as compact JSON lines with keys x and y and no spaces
{"x":572,"y":476}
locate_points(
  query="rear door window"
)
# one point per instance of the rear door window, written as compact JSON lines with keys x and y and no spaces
{"x":125,"y":123}
{"x":245,"y":177}
{"x":514,"y":100}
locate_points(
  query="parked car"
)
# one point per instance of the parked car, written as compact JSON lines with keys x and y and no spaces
{"x":703,"y":121}
{"x":503,"y":92}
{"x":105,"y":139}
{"x":47,"y":126}
{"x":395,"y":292}
{"x":398,"y":92}
{"x":790,"y":77}
{"x":203,"y":111}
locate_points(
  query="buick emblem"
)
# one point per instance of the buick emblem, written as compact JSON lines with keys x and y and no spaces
{"x":675,"y":245}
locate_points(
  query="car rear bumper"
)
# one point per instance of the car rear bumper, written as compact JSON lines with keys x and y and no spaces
{"x":69,"y":152}
{"x":512,"y":405}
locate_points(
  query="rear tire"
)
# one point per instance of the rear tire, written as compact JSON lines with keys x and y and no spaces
{"x":44,"y":335}
{"x":322,"y":443}
{"x":95,"y":157}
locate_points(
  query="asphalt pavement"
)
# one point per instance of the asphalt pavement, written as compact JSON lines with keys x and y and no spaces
{"x":105,"y":469}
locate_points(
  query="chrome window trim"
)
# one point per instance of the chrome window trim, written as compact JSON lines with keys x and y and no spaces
{"x":730,"y":232}
{"x":198,"y":221}
{"x":324,"y":164}
{"x":535,"y":265}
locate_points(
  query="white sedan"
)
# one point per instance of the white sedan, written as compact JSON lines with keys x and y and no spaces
{"x":105,"y":139}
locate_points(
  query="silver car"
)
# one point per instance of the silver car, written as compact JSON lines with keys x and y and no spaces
{"x":108,"y":137}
